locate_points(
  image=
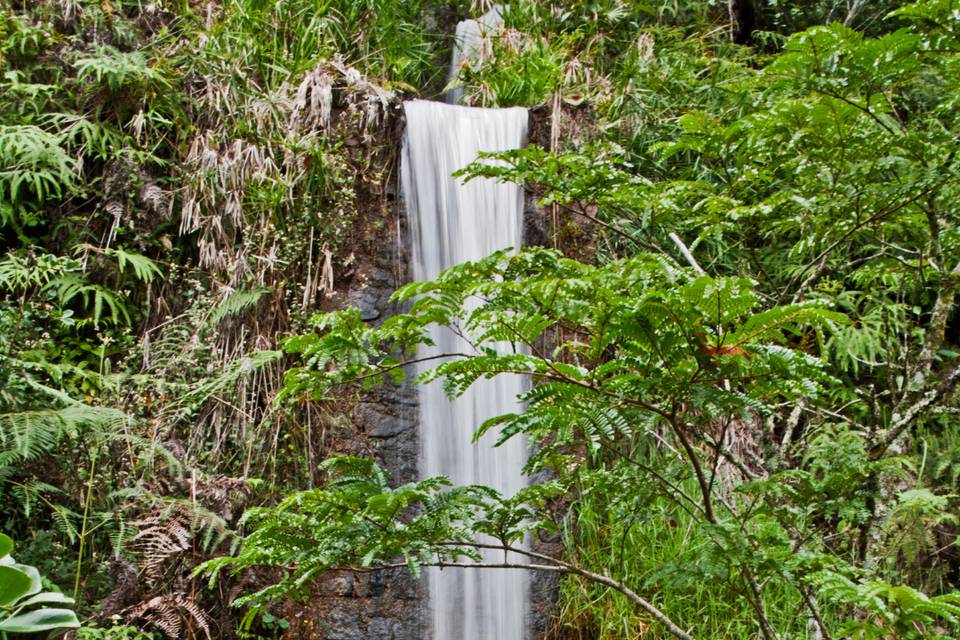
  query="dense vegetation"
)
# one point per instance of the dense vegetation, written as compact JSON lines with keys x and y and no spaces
{"x":743,"y":336}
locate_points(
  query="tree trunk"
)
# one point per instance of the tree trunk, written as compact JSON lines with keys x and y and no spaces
{"x":746,"y":16}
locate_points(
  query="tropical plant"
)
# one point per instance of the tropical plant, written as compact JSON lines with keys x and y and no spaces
{"x":23,"y":603}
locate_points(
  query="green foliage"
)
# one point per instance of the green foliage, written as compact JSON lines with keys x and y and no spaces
{"x":523,"y":73}
{"x":357,"y":521}
{"x":116,"y":632}
{"x":118,"y":70}
{"x":144,"y":269}
{"x":806,"y":182}
{"x":167,"y":178}
{"x":291,"y":36}
{"x":654,"y":344}
{"x":34,"y":167}
{"x":236,"y":302}
{"x":894,"y":611}
{"x":23,"y":602}
{"x":29,"y":435}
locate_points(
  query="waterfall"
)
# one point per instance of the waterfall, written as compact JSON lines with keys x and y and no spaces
{"x":469,"y":42}
{"x":450,"y":223}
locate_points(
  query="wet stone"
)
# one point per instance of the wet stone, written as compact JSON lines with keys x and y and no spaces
{"x":381,"y":629}
{"x":343,"y":625}
{"x":341,"y":585}
{"x":379,"y":423}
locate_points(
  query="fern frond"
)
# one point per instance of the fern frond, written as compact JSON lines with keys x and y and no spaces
{"x":33,"y":164}
{"x":236,"y":302}
{"x":171,"y":614}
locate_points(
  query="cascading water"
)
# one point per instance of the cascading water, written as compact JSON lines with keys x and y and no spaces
{"x":451,"y":223}
{"x":469,"y":42}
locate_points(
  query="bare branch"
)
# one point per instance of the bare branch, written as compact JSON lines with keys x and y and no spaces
{"x":561,"y":567}
{"x":686,"y":254}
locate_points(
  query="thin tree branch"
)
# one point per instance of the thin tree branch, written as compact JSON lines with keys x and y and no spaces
{"x":697,"y":469}
{"x":686,"y":253}
{"x":559,"y":567}
{"x":903,"y":418}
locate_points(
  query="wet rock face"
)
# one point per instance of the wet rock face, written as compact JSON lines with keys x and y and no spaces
{"x":380,"y":605}
{"x":388,"y":604}
{"x":536,"y":227}
{"x":389,"y":417}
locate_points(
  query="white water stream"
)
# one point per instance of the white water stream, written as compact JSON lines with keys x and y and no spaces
{"x":471,"y":41}
{"x":450,"y":223}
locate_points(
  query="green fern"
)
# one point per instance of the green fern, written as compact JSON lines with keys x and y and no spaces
{"x":235,"y":303}
{"x":117,"y":69}
{"x":144,"y":269}
{"x":85,"y":136}
{"x":892,"y":610}
{"x":19,"y":272}
{"x":29,"y":435}
{"x":103,"y":302}
{"x":34,"y":167}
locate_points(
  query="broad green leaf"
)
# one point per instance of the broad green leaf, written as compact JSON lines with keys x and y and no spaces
{"x":47,"y":597}
{"x":14,"y":584}
{"x":40,"y":620}
{"x":6,"y":545}
{"x":35,"y":584}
